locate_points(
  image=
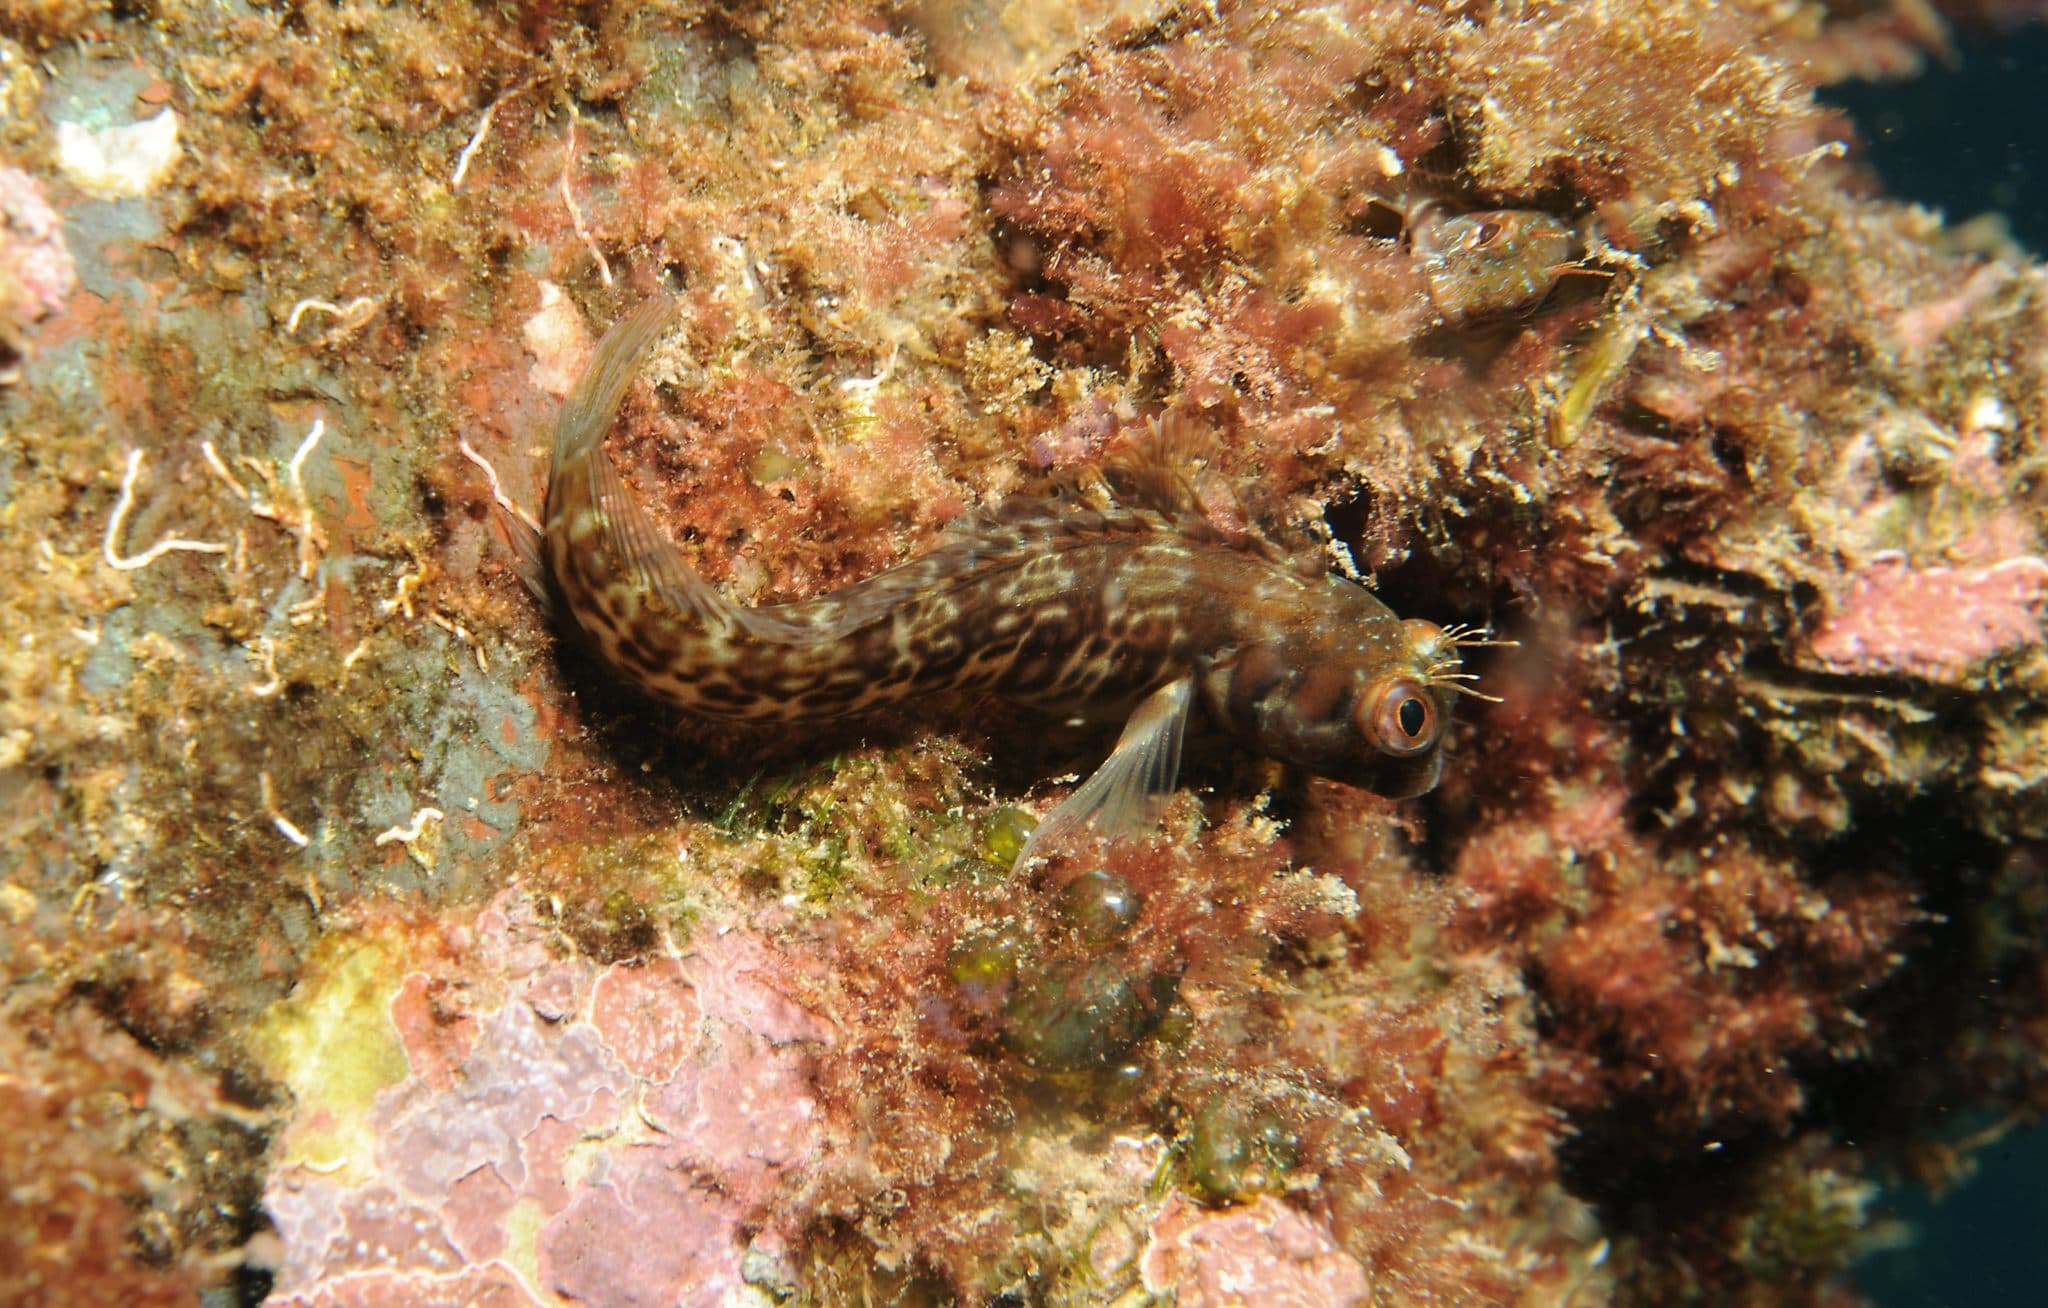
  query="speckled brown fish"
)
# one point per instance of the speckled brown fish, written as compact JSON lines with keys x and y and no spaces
{"x":1490,"y":262}
{"x":1132,"y":613}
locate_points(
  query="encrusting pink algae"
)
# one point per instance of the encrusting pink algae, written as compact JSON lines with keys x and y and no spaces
{"x":364,"y":939}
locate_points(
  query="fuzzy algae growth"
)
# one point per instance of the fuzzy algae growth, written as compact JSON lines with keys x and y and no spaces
{"x":1716,"y":920}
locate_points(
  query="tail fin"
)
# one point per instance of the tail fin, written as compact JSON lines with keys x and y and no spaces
{"x":589,"y":410}
{"x":529,"y":560}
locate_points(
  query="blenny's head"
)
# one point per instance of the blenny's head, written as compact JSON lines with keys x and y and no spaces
{"x":1365,"y":700}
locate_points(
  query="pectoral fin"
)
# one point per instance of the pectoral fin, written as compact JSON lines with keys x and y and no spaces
{"x":1123,"y":795}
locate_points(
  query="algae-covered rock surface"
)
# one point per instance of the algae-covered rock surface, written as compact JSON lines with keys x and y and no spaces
{"x":365,"y":939}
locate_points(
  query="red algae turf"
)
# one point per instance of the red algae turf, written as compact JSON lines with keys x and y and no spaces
{"x":359,"y":943}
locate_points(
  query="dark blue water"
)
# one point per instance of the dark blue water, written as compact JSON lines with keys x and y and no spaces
{"x":1969,"y":139}
{"x":1984,"y":1245}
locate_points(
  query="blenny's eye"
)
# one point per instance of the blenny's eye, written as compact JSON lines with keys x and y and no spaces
{"x":1399,"y":716}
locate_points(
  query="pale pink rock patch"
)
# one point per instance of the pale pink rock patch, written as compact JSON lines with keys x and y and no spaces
{"x":644,"y":1237}
{"x":559,"y":340}
{"x":35,"y":264}
{"x":1936,"y":623}
{"x":488,"y":1286}
{"x":619,"y":1134}
{"x":1264,"y":1253}
{"x":648,"y":1016}
{"x":737,"y":979}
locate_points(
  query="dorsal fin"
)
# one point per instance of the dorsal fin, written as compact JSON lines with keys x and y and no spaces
{"x":1156,"y":471}
{"x":973,"y":545}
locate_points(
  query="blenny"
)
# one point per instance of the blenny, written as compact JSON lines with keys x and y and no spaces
{"x":1139,"y":613}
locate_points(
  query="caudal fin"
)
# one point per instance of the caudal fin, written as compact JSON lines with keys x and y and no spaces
{"x":590,"y":408}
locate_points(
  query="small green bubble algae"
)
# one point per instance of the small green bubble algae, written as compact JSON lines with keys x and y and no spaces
{"x":1233,"y":1152}
{"x":985,"y":960}
{"x":1176,"y":1028}
{"x":1004,"y":836}
{"x":1123,"y":1082}
{"x":1081,"y":1004}
{"x":1067,"y":1017}
{"x":1100,"y":907}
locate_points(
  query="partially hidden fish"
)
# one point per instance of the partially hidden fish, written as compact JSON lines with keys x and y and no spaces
{"x":1140,"y":613}
{"x":1494,"y":261}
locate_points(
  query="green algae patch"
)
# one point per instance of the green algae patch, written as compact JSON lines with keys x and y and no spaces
{"x":334,"y":1045}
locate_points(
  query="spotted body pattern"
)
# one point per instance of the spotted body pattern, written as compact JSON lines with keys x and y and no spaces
{"x":1138,"y":613}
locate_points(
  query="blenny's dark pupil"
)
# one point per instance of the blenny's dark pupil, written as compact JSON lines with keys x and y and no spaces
{"x":1412,"y":716}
